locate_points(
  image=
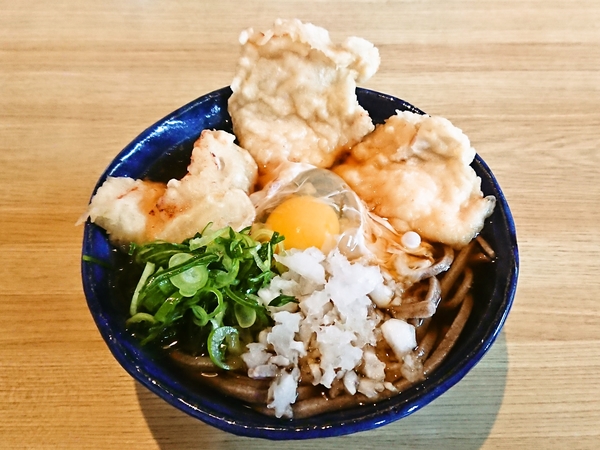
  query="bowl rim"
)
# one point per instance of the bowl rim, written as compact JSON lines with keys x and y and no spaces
{"x":387,"y":411}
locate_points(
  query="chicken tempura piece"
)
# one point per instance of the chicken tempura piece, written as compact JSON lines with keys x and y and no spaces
{"x":215,"y":189}
{"x":294,"y":95}
{"x":414,"y":170}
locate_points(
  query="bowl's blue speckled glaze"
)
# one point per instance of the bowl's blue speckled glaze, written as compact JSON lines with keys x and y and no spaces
{"x":162,"y":152}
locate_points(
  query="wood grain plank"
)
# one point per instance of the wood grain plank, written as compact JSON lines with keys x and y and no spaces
{"x":80,"y":79}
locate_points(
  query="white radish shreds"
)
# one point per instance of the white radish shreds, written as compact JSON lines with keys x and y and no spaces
{"x":256,"y":355}
{"x":283,"y":391}
{"x":382,"y":295}
{"x":282,"y":335}
{"x":338,"y":354}
{"x":348,"y":289}
{"x":400,"y":336}
{"x":335,"y":319}
{"x":306,"y":264}
{"x":373,"y":368}
{"x":351,"y":382}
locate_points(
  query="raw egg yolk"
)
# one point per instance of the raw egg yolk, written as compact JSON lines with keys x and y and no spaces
{"x":304,"y":221}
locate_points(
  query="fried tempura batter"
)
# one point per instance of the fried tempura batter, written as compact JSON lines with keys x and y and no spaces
{"x":414,"y":170}
{"x":294,"y":95}
{"x":215,"y":189}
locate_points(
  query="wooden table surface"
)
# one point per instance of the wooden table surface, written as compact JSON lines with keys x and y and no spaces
{"x":79,"y":79}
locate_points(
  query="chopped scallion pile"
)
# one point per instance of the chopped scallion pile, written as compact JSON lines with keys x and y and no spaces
{"x":210,"y":281}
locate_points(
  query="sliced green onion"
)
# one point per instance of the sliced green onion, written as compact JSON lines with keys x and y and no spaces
{"x":140,"y":317}
{"x":201,"y":317}
{"x":190,"y":281}
{"x":158,"y":252}
{"x":245,"y":316}
{"x":219,"y":340}
{"x":202,"y":259}
{"x":264,"y":277}
{"x":167,"y":308}
{"x":282,"y":300}
{"x":211,"y":280}
{"x":206,"y":239}
{"x":245,"y":300}
{"x":227,"y":278}
{"x":148,"y":271}
{"x":262,"y":265}
{"x":92,"y":259}
{"x":166,"y":287}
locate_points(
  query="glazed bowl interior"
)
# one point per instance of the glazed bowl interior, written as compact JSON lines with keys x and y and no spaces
{"x":162,"y":152}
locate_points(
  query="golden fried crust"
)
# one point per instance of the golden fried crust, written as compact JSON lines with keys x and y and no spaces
{"x":414,"y":170}
{"x":294,"y":95}
{"x":215,"y":190}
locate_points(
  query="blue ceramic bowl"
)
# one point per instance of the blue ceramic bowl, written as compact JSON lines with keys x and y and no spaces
{"x":162,"y":152}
